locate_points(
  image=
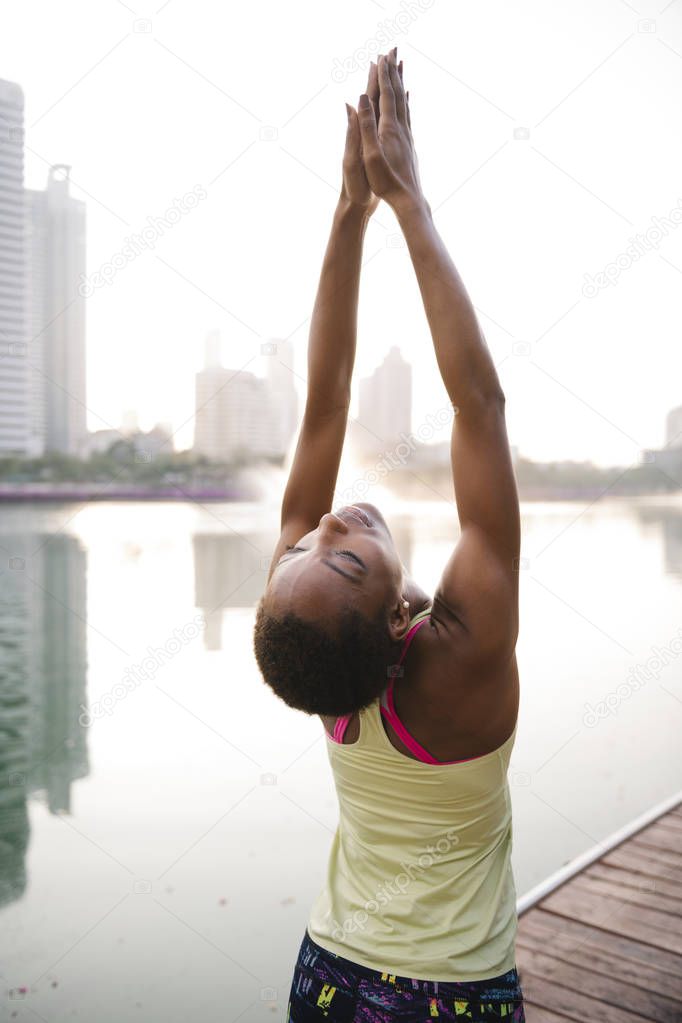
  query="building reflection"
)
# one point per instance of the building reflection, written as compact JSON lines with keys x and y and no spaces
{"x":42,"y":684}
{"x":230,"y":571}
{"x":670,"y":522}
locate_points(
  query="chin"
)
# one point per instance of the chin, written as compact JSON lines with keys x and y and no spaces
{"x":371,"y":510}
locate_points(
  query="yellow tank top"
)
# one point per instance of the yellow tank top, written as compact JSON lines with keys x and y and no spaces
{"x":419,"y":880}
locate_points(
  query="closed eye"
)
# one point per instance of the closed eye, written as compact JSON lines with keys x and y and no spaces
{"x":344,"y":553}
{"x":353,"y":557}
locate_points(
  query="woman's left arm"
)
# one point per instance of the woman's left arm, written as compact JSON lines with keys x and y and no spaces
{"x":331,"y":351}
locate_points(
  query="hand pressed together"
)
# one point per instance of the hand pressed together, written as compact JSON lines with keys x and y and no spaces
{"x":380,"y":161}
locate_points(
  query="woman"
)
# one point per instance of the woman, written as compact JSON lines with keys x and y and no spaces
{"x":418,"y":695}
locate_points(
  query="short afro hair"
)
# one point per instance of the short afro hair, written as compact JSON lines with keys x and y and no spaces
{"x":322,"y":673}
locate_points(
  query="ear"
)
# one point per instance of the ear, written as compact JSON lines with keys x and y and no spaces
{"x":399,"y":618}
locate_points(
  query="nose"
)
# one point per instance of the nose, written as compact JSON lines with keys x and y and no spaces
{"x":330,"y":524}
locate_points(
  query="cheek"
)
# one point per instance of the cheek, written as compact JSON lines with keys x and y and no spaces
{"x":388,"y":569}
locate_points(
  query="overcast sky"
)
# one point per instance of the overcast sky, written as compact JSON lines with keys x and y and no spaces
{"x":245,"y":103}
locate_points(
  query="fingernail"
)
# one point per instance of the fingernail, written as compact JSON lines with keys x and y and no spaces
{"x":364,"y":101}
{"x":347,"y":111}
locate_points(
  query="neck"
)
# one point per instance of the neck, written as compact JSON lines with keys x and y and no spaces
{"x":416,"y":597}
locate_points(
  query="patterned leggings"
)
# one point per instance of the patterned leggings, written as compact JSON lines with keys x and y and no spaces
{"x":328,"y":988}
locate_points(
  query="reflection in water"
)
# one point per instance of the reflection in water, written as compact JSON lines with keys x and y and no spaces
{"x":670,"y":521}
{"x":201,"y":836}
{"x":230,"y":571}
{"x":42,"y":682}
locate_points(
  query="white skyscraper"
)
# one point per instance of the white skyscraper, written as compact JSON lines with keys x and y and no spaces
{"x":385,"y":412}
{"x":283,"y":395}
{"x":673,"y":428}
{"x":14,"y":373}
{"x":55,"y":227}
{"x":233,"y":418}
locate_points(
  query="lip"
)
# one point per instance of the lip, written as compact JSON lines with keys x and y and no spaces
{"x":356,"y":513}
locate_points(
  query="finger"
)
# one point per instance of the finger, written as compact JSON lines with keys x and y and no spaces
{"x":407,"y":109}
{"x":386,"y":96}
{"x":353,"y":145}
{"x":373,"y":88}
{"x":369,"y":136}
{"x":398,"y":92}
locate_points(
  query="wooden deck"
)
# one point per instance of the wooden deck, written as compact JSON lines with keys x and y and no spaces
{"x":606,"y":946}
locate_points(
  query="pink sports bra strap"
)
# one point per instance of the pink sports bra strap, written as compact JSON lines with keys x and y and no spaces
{"x":387,"y":706}
{"x":409,"y":636}
{"x":340,"y":727}
{"x":341,"y":723}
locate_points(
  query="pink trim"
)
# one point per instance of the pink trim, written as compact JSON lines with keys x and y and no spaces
{"x":407,"y":641}
{"x":340,"y":726}
{"x":399,"y":728}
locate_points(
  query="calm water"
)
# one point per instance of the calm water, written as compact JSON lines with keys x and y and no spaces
{"x":158,"y":857}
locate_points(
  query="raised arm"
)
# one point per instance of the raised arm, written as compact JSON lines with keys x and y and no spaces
{"x":331,"y":349}
{"x":477,"y":598}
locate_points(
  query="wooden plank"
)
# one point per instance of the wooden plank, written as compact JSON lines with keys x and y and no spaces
{"x":646,"y":925}
{"x":671,"y":822}
{"x":631,"y":858}
{"x":661,"y":838}
{"x":631,"y":879}
{"x":655,"y":852}
{"x":612,"y":902}
{"x":573,"y":1004}
{"x":635,"y":896}
{"x":536,"y":1014}
{"x":581,"y":934}
{"x":616,"y":992}
{"x":602,"y":953}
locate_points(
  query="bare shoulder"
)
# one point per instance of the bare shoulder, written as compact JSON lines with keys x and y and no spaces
{"x":462,"y":705}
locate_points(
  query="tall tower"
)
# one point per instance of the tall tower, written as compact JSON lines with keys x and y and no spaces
{"x":55,"y":224}
{"x":14,"y":373}
{"x":283,"y":396}
{"x":673,"y":428}
{"x":385,"y":411}
{"x":233,"y":414}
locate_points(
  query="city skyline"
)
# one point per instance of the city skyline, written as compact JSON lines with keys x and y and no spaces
{"x":535,"y":203}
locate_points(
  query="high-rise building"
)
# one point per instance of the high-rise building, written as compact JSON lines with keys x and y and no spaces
{"x":673,"y":428}
{"x":283,"y":394}
{"x":239,"y":415}
{"x":14,"y":373}
{"x":232,"y":415}
{"x":385,"y":410}
{"x":55,"y":228}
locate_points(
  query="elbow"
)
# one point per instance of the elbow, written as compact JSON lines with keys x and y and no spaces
{"x":490,"y":399}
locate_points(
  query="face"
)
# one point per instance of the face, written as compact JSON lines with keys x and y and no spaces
{"x":350,"y":560}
